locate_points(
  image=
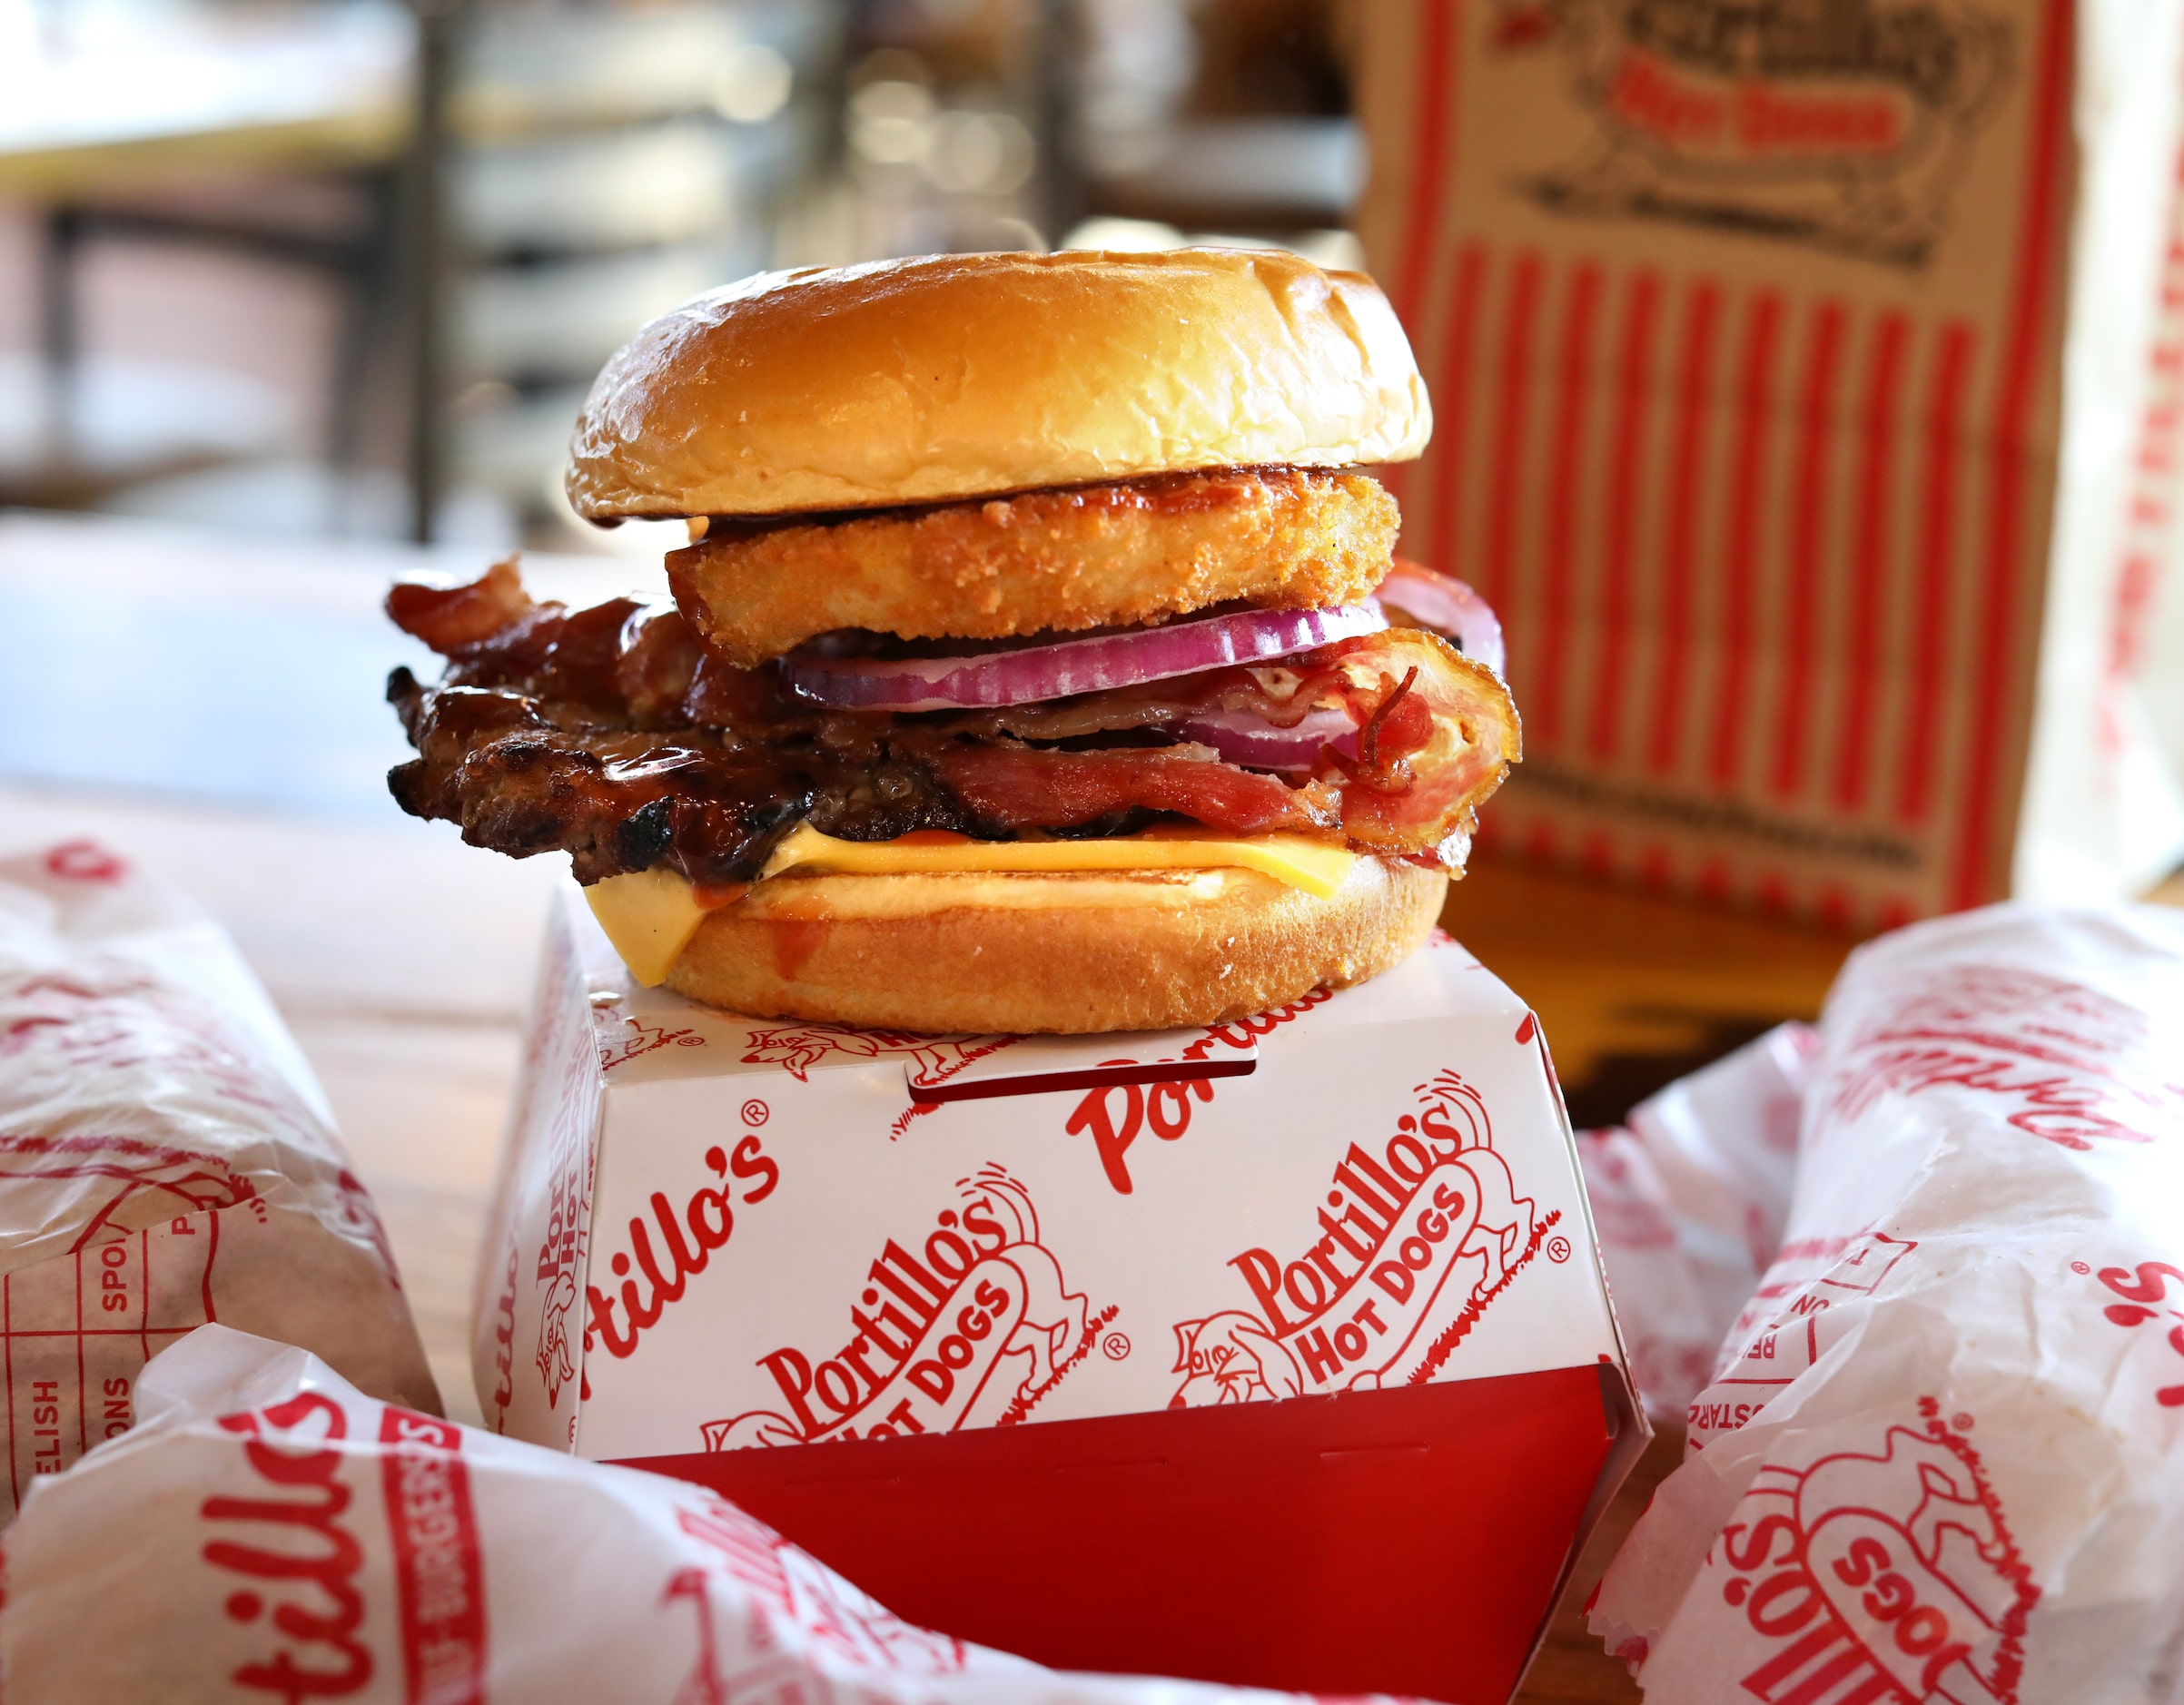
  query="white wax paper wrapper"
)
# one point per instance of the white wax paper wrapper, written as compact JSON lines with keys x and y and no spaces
{"x":1689,"y":1200}
{"x":271,"y":1531}
{"x":1944,"y":1459}
{"x":165,"y":1160}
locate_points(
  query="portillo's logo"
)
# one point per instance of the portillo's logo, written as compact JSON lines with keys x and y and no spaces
{"x":969,"y":1328}
{"x":1847,"y":124}
{"x":670,"y":1245}
{"x":2068,"y":1064}
{"x":1888,"y":1575}
{"x":1115,"y":1114}
{"x":1418,"y":1236}
{"x":292,"y":1559}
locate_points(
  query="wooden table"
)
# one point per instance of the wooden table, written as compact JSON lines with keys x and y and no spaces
{"x":213,"y":706}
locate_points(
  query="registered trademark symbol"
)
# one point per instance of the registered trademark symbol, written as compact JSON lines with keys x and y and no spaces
{"x":754,"y":1112}
{"x":1114,"y":1347}
{"x":2079,"y":1267}
{"x":1961,"y":1422}
{"x":1558,"y":1249}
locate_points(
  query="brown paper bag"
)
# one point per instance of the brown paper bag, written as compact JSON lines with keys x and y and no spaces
{"x":1808,"y":379}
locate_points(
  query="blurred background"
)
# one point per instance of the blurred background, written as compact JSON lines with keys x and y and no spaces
{"x":346,"y":267}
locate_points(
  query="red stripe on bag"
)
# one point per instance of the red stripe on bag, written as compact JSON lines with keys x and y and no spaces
{"x":1565,"y":498}
{"x":1679,"y":552}
{"x":439,"y":1566}
{"x":1937,"y":558}
{"x":1868,"y":560}
{"x":1741,"y":556}
{"x":1452,"y":411}
{"x":1634,"y":375}
{"x":1513,"y":388}
{"x":1809,"y":521}
{"x":1428,"y":158}
{"x":2020,"y":364}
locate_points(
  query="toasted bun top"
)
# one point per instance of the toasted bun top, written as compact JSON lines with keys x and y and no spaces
{"x":967,"y":376}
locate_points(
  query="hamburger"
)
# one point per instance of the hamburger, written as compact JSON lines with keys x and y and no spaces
{"x":1039,"y":660}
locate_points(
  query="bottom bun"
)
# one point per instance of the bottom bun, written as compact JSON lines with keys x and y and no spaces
{"x":1150,"y":951}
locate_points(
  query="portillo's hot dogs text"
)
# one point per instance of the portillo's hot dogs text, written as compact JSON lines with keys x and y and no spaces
{"x":970,"y":1328}
{"x":892,"y":1316}
{"x":1434,"y":1202}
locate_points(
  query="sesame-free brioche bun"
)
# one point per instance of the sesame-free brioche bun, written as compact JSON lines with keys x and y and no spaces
{"x":1142,"y":950}
{"x":968,"y":376}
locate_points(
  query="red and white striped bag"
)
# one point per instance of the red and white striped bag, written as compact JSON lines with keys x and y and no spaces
{"x":1809,"y":398}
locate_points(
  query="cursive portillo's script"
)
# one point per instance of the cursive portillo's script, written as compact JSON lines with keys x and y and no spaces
{"x":654,"y":1277}
{"x":299,"y":1556}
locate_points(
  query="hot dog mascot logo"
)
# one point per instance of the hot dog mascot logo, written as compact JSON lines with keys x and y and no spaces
{"x":1882,"y":1575}
{"x":797,"y":1047}
{"x":932,"y":1060}
{"x":1416,"y":1240}
{"x":971,"y":1330}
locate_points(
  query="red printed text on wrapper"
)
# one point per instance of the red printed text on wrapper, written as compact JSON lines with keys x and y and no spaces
{"x":970,"y":1326}
{"x":1785,"y":1327}
{"x":1418,"y":1235}
{"x":2072,"y":1065}
{"x":2143,"y":1299}
{"x":136,"y":1277}
{"x":290,"y":1555}
{"x":438,"y":1560}
{"x":1876,"y":1576}
{"x":806,"y":1604}
{"x":113,"y":1017}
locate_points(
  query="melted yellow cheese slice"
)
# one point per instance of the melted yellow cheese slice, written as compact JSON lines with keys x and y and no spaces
{"x":1311,"y":866}
{"x":651,"y":916}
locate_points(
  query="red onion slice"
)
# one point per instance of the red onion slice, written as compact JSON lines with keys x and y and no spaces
{"x":1072,"y":666}
{"x":1252,"y":741}
{"x":1447,"y":607}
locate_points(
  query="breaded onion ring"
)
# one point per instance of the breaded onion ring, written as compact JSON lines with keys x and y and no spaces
{"x":1057,"y":561}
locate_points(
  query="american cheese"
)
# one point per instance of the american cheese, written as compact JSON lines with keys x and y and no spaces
{"x":651,"y":916}
{"x":1311,"y":866}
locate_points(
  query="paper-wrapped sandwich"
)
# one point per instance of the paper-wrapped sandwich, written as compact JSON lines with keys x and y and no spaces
{"x":1033,"y":665}
{"x":166,"y":1159}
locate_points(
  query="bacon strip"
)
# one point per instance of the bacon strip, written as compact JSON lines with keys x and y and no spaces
{"x":1020,"y":784}
{"x":449,"y":618}
{"x":1442,"y":749}
{"x":610,"y":733}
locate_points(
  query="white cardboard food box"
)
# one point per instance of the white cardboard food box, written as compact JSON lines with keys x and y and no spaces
{"x":871,"y":1285}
